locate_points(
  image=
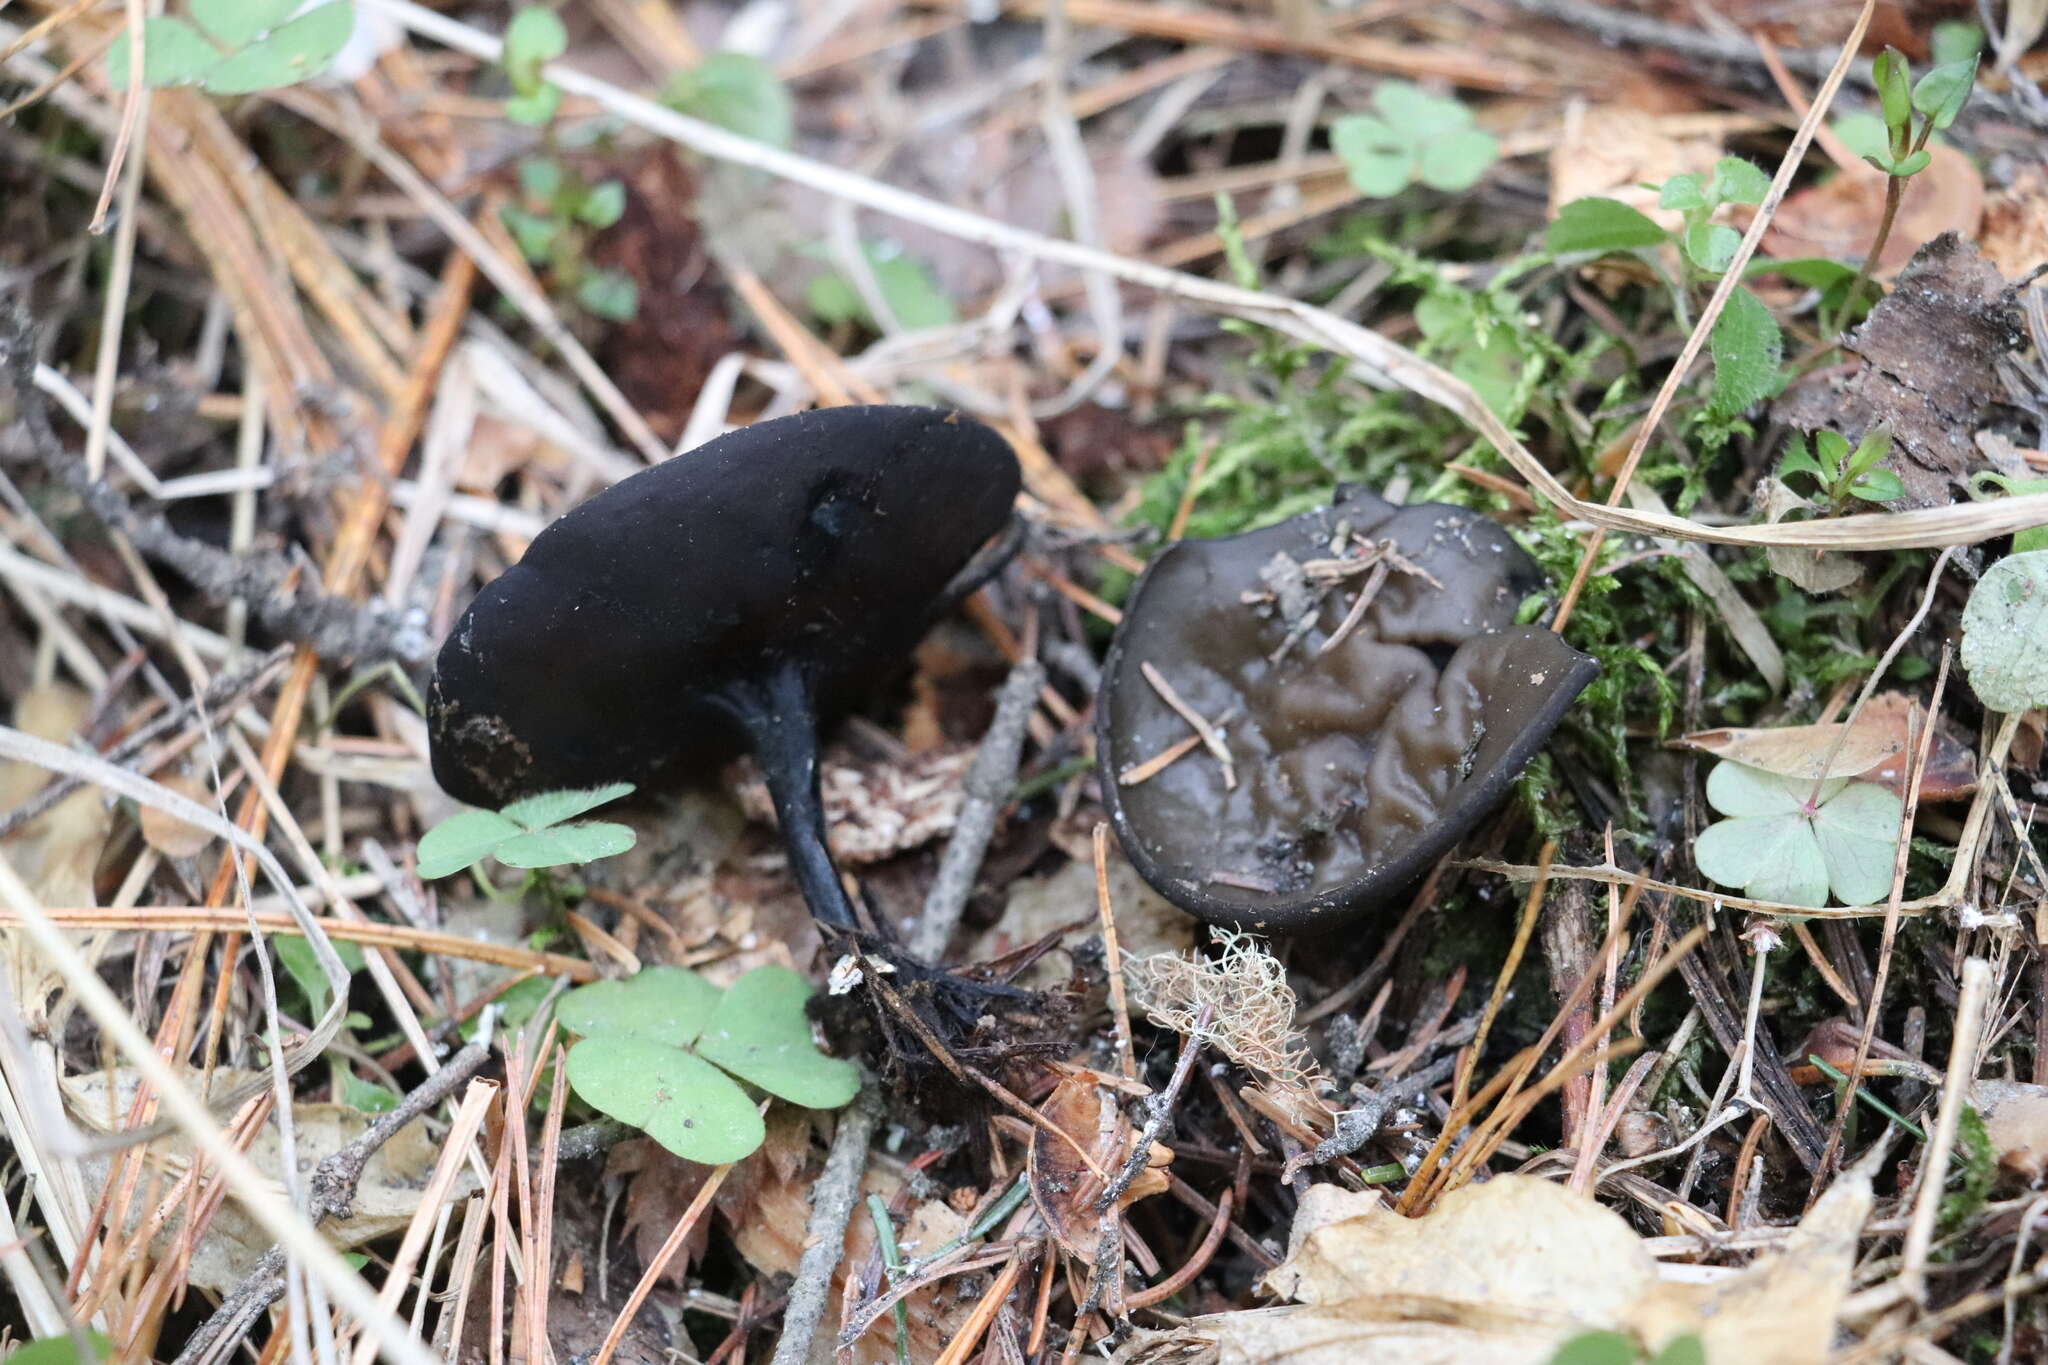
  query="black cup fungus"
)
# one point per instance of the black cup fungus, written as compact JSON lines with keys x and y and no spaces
{"x":1362,"y":741}
{"x":707,"y":604}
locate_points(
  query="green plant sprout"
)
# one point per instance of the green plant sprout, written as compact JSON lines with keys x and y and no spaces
{"x":558,"y":211}
{"x":666,"y":1051}
{"x":528,"y":834}
{"x":1617,"y":1348}
{"x":739,"y":93}
{"x":1792,"y":840}
{"x":1984,"y":481}
{"x":1746,"y":343}
{"x":907,"y":288}
{"x":1913,"y":112}
{"x":1415,"y":137}
{"x":236,"y":47}
{"x":1840,"y":473}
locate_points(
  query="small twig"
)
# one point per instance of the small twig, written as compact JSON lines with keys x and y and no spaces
{"x":832,"y":1201}
{"x":276,"y":589}
{"x":1112,"y":954}
{"x":1366,"y":593}
{"x":1955,"y":1093}
{"x":332,"y":1194}
{"x":989,"y":781}
{"x":1211,"y":739}
{"x":1158,"y":1109}
{"x":1170,"y":755}
{"x":679,"y":1234}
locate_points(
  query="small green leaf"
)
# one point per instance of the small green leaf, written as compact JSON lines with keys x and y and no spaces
{"x":1878,"y":485}
{"x":683,"y":1102}
{"x":366,"y":1095}
{"x":760,"y":1034}
{"x":739,"y":93}
{"x":1831,"y":448}
{"x":669,"y":1005}
{"x":1597,"y":1348}
{"x":2005,"y":633}
{"x":1457,"y":161}
{"x":1776,"y":848}
{"x":833,"y":301}
{"x":534,"y":38}
{"x":1738,"y":182}
{"x":516,"y":1004}
{"x":1682,"y":192}
{"x":1600,"y":226}
{"x":1893,"y":78}
{"x":1902,"y":166}
{"x":603,"y":206}
{"x":61,"y":1351}
{"x":1768,"y":857}
{"x":1956,"y":40}
{"x":1415,"y":114}
{"x":302,"y":48}
{"x":536,"y":107}
{"x":173,"y":53}
{"x":584,"y":842}
{"x":1813,"y":272}
{"x":535,"y":234}
{"x":1875,"y":445}
{"x":609,"y":294}
{"x":236,"y":22}
{"x":1798,"y":460}
{"x":300,"y":962}
{"x":1858,"y":833}
{"x":551,"y":808}
{"x":1942,"y":92}
{"x":1711,"y":246}
{"x":1377,"y":159}
{"x":540,"y":178}
{"x":461,"y":840}
{"x":1747,"y":347}
{"x":1685,"y":1349}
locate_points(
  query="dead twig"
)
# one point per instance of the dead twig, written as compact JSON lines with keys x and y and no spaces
{"x":832,"y":1201}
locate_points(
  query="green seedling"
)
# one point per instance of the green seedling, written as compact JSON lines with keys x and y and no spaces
{"x":738,"y":93}
{"x":236,"y":47}
{"x":1617,"y":1348}
{"x":534,"y":38}
{"x":1840,"y":474}
{"x":668,"y":1052}
{"x":1791,"y":840}
{"x":1413,"y":138}
{"x":2005,"y":634}
{"x":908,"y":290}
{"x":557,"y":215}
{"x":529,"y":833}
{"x":1746,"y":343}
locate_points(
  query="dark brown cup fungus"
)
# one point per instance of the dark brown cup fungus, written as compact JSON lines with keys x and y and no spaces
{"x":1351,"y":696}
{"x":709,"y":604}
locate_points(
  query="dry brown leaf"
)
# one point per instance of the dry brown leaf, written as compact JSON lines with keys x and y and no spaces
{"x":1615,"y":152}
{"x":1839,"y":217}
{"x":2014,"y":236}
{"x":2016,"y":1119}
{"x":166,"y":833}
{"x":1504,"y":1273}
{"x":1815,"y":571}
{"x":1875,"y":749}
{"x":1065,"y":1190}
{"x":57,"y":852}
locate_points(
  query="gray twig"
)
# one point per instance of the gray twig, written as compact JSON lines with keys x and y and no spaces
{"x":1158,"y":1109}
{"x":277,"y":591}
{"x":989,"y":782}
{"x":332,"y":1195}
{"x":832,"y":1200}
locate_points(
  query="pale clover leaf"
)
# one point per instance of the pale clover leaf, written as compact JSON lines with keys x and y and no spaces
{"x":1792,"y":843}
{"x":2005,"y":633}
{"x":552,"y":808}
{"x":760,"y":1034}
{"x":680,"y":1100}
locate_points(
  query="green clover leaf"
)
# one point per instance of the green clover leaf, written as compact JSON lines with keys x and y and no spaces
{"x":661,"y":1051}
{"x":528,"y":833}
{"x":2005,"y":633}
{"x":1778,"y":847}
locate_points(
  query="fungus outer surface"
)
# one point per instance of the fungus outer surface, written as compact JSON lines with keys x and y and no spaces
{"x":1354,"y":769}
{"x":693,"y":606}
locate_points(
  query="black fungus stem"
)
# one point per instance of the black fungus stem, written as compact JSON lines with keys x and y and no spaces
{"x":781,"y":722}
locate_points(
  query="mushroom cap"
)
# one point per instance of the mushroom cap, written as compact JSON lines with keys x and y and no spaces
{"x":1356,"y":769}
{"x":638,"y":625}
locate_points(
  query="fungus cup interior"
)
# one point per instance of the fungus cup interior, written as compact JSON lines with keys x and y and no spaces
{"x":707,"y":604}
{"x":1355,"y":766}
